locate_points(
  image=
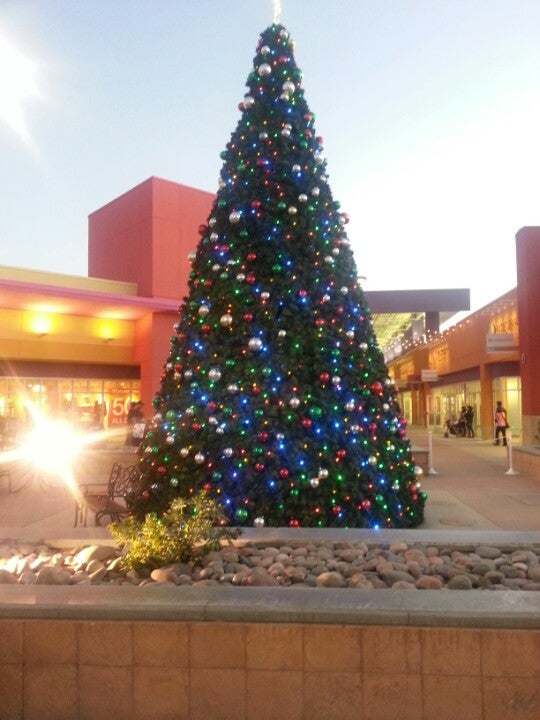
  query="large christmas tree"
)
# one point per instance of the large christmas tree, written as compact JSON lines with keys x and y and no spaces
{"x":275,"y":396}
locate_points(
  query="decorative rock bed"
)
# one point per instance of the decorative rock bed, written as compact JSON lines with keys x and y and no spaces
{"x":348,"y":565}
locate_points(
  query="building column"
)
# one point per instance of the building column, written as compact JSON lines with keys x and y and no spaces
{"x":528,"y":301}
{"x":486,"y":403}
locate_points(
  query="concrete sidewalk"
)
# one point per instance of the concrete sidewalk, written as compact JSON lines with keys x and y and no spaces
{"x":471,"y":495}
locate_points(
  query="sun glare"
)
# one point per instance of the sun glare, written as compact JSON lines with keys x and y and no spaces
{"x":18,"y":87}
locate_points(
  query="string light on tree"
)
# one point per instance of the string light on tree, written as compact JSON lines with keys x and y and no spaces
{"x":275,"y":396}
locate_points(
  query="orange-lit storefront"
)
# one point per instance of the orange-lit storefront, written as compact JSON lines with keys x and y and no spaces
{"x":476,"y":362}
{"x":84,"y":348}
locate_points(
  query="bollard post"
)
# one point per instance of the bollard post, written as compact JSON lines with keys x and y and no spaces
{"x":510,"y":470}
{"x":431,"y":470}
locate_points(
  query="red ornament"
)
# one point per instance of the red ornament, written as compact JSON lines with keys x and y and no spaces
{"x":302,"y":293}
{"x":145,"y":495}
{"x":211,"y":405}
{"x":336,"y":509}
{"x":324,"y":377}
{"x":255,"y":389}
{"x":366,"y":504}
{"x":250,"y":278}
{"x":256,"y":203}
{"x":248,"y":317}
{"x":196,"y":426}
{"x":376,"y":387}
{"x":206,"y":328}
{"x":162,"y":469}
{"x":263,"y":436}
{"x":306,"y":422}
{"x":319,"y":322}
{"x":341,"y":453}
{"x":259,"y":467}
{"x":284,"y":473}
{"x":202,"y":229}
{"x":208,"y":283}
{"x":372,"y":427}
{"x":251,"y":257}
{"x":293,"y":522}
{"x":403,"y":421}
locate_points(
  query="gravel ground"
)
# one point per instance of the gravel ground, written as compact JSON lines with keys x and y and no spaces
{"x":348,"y":565}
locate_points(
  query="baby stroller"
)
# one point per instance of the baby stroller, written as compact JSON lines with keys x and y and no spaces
{"x":453,"y":428}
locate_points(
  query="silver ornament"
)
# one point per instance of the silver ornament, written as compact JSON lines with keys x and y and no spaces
{"x":329,"y":260}
{"x":265,"y":50}
{"x":323,"y":473}
{"x":199,"y":458}
{"x":255,"y":344}
{"x":249,"y":101}
{"x":214,"y":374}
{"x":240,"y":277}
{"x":235,"y":216}
{"x":169,"y":439}
{"x":294,"y":402}
{"x":335,"y":251}
{"x":183,"y":452}
{"x":212,"y":420}
{"x":355,"y":429}
{"x":349,"y":406}
{"x":173,"y":482}
{"x":263,"y":135}
{"x":280,"y":436}
{"x":315,"y":191}
{"x":386,"y":407}
{"x":265,"y":295}
{"x":264,"y":70}
{"x":372,"y":460}
{"x":296,"y":168}
{"x":286,"y":133}
{"x":204,"y":310}
{"x":292,"y":210}
{"x":336,"y":380}
{"x":283,"y":34}
{"x":220,"y":430}
{"x":282,"y":333}
{"x":258,"y":522}
{"x":188,"y":374}
{"x":226,"y":320}
{"x":228,"y":452}
{"x":285,"y":97}
{"x":418,"y":472}
{"x":344,"y":290}
{"x":216,"y":267}
{"x":288,"y":86}
{"x":326,"y":298}
{"x":350,"y":334}
{"x":191,"y":256}
{"x":363,"y":346}
{"x":314,"y":482}
{"x":214,"y":237}
{"x":189,"y":411}
{"x":232,"y":388}
{"x":302,"y":198}
{"x":169,"y":366}
{"x":212,"y":221}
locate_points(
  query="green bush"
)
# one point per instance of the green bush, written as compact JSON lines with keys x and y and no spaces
{"x":188,"y":530}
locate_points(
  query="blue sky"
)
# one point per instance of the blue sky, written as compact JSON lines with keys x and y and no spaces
{"x":429,"y":110}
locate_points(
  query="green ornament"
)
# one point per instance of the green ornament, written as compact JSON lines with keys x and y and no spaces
{"x":315,"y":412}
{"x":171,"y":415}
{"x":241,"y":515}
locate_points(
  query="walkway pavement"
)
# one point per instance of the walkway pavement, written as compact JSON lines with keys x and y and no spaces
{"x":471,"y":494}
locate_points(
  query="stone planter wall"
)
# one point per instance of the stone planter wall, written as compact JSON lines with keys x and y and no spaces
{"x":164,"y":653}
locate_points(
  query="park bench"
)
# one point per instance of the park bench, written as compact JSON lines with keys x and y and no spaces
{"x":110,"y":499}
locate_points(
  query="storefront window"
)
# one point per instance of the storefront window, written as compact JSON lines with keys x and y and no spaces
{"x":86,"y":403}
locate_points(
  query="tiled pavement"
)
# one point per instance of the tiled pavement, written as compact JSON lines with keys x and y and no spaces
{"x":471,"y":492}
